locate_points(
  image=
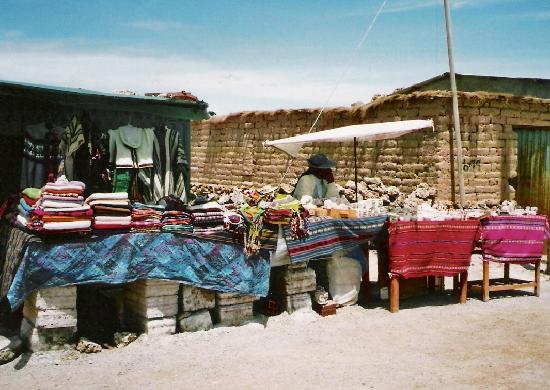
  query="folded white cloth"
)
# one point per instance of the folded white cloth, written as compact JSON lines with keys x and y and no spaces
{"x":60,"y":183}
{"x":106,"y":196}
{"x":59,"y":204}
{"x":67,"y":209}
{"x":22,"y":220}
{"x":207,"y":206}
{"x":107,"y":223}
{"x":111,"y":219}
{"x":67,"y":225}
{"x":107,"y":202}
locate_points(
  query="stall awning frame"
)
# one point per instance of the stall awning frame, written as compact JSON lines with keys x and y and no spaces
{"x":365,"y":132}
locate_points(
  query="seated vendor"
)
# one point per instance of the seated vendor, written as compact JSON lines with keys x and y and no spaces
{"x":317,"y":181}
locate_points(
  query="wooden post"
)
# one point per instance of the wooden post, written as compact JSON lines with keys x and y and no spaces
{"x":394,"y":294}
{"x":455,"y":284}
{"x":366,"y":275}
{"x":506,"y":272}
{"x":485,"y":288}
{"x":537,"y":278}
{"x":431,"y":284}
{"x":463,"y":286}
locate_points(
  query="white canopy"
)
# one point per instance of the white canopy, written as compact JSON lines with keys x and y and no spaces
{"x":368,"y":132}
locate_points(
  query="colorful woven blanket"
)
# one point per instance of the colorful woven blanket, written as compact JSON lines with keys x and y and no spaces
{"x":122,"y":258}
{"x":431,"y":248}
{"x":327,"y":235}
{"x":513,"y":238}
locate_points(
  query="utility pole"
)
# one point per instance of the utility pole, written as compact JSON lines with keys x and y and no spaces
{"x":456,"y":118}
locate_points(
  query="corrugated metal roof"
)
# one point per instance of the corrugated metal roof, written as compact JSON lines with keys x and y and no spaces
{"x":179,"y":109}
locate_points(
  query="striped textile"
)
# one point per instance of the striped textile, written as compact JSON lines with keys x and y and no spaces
{"x":327,"y":235}
{"x":431,"y":248}
{"x":167,"y":175}
{"x":510,"y":238}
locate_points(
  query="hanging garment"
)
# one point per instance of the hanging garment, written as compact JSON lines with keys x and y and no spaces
{"x":167,"y":176}
{"x":71,"y":141}
{"x":131,"y":147}
{"x":40,"y":155}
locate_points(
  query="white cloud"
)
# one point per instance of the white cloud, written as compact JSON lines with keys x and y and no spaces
{"x":226,"y":89}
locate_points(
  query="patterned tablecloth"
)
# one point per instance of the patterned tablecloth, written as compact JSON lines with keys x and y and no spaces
{"x":509,"y":238}
{"x":328,"y":235}
{"x":426,"y":248}
{"x":122,"y":258}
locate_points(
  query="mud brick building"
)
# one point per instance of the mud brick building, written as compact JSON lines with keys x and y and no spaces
{"x":505,"y":125}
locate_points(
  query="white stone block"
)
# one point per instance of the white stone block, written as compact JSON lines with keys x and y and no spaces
{"x":153,"y":327}
{"x":225,"y":299}
{"x":195,"y":321}
{"x":50,"y":318}
{"x":46,"y":339}
{"x":151,"y":307}
{"x":296,"y":302}
{"x":234,"y":315}
{"x":195,"y":298}
{"x":153,"y":288}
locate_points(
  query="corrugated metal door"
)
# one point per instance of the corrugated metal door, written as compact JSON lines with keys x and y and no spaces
{"x":533,"y":186}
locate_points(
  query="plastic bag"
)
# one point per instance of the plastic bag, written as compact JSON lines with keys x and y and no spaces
{"x":344,"y":275}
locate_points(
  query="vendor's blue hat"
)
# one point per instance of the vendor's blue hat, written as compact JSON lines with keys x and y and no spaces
{"x":320,"y":161}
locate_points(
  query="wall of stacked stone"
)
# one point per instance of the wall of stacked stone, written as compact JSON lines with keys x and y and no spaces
{"x":228,"y":150}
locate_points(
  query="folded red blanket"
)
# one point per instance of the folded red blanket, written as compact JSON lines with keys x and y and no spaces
{"x":40,"y":212}
{"x":29,"y":201}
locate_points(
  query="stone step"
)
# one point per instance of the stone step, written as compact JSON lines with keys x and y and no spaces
{"x":195,"y":298}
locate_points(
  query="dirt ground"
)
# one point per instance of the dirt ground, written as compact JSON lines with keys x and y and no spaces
{"x":433,"y":342}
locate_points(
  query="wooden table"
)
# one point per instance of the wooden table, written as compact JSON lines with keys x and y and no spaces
{"x":429,"y":249}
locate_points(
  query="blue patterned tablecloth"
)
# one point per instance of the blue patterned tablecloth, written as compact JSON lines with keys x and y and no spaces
{"x":328,"y":235}
{"x":123,"y":258}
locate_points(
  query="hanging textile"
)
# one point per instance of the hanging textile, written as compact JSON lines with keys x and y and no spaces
{"x":167,"y":176}
{"x":40,"y":155}
{"x":71,"y":141}
{"x":131,"y":147}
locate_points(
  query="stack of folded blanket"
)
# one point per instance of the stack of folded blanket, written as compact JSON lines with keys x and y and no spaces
{"x":281,"y":210}
{"x":61,"y":209}
{"x":207,"y":218}
{"x":146,"y":218}
{"x":176,"y":221}
{"x":27,"y":202}
{"x":111,"y":210}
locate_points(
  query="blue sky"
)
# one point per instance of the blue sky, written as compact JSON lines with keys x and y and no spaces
{"x":264,"y":55}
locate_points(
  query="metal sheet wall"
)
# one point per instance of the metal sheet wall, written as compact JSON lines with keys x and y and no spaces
{"x":533,"y":186}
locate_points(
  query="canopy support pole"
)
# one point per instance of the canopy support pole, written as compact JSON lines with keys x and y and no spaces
{"x":458,"y":138}
{"x":355,"y":164}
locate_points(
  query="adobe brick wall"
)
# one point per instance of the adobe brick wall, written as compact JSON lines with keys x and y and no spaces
{"x":228,"y":150}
